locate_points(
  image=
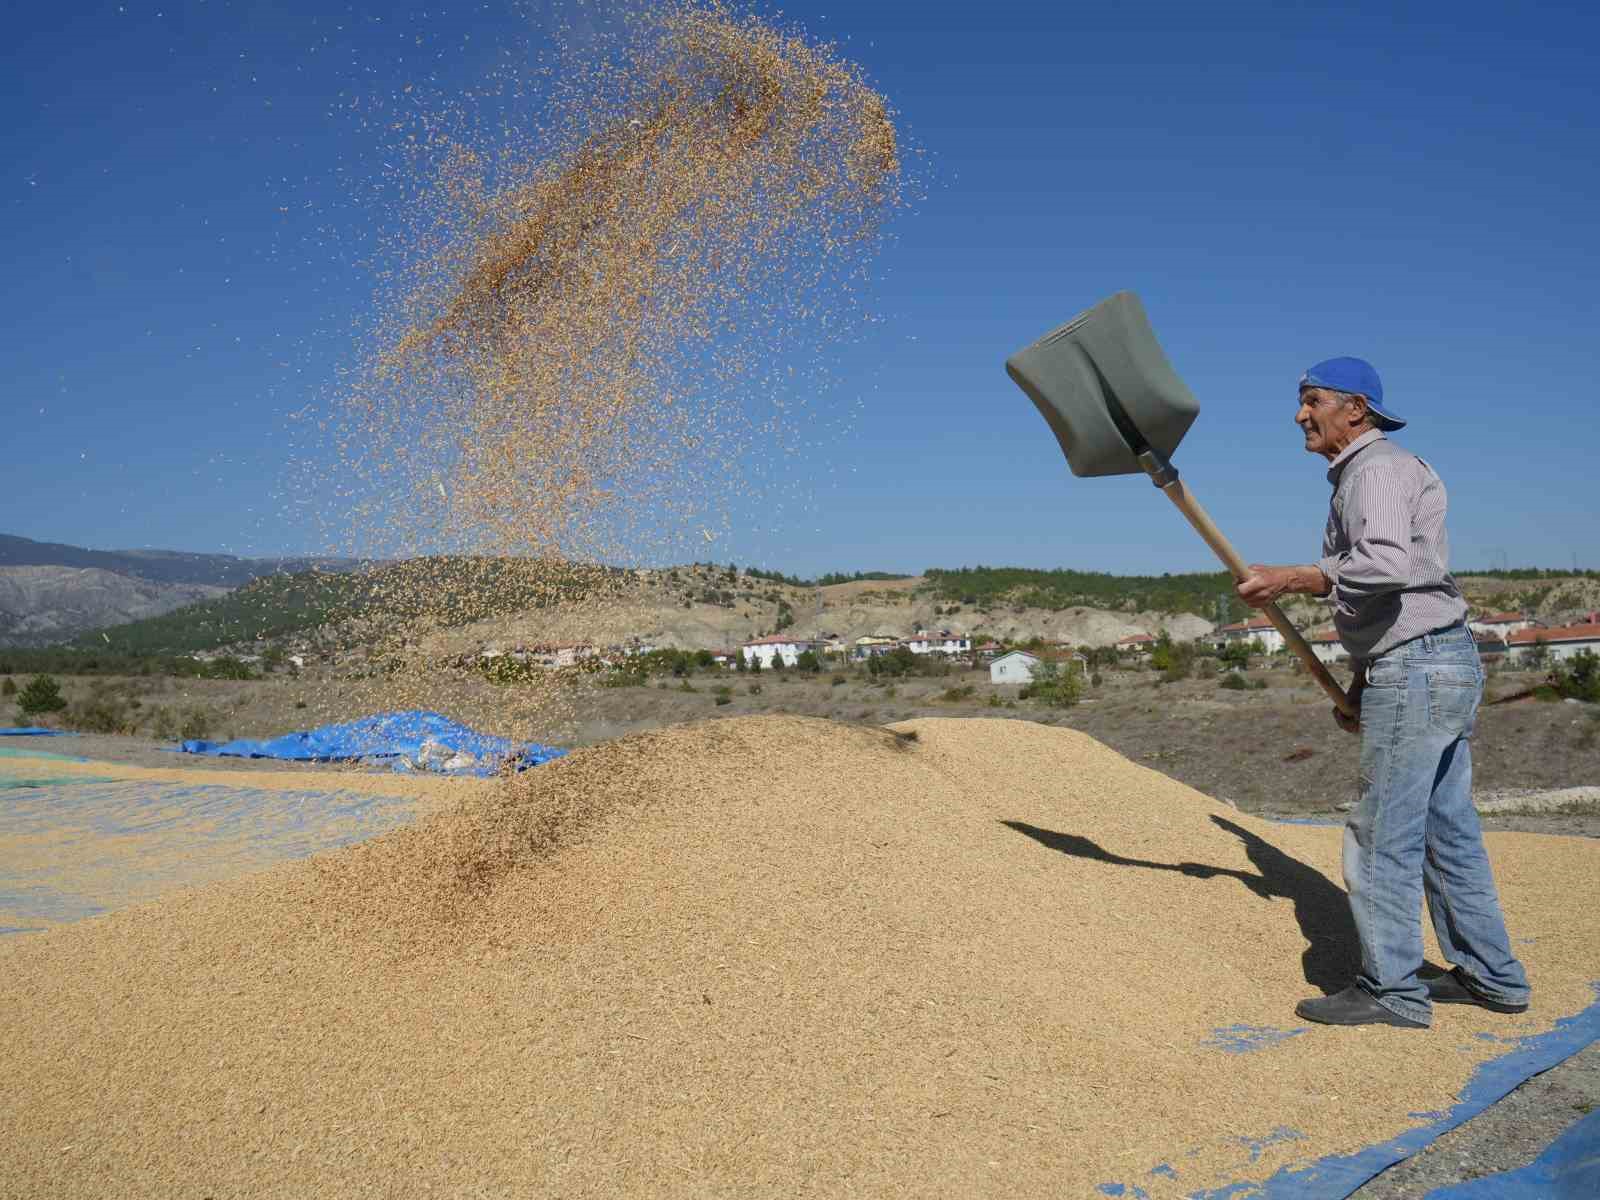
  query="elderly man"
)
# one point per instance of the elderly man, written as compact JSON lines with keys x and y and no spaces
{"x":1414,"y":832}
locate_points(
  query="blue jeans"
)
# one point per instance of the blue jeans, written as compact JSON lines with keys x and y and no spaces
{"x":1415,"y":832}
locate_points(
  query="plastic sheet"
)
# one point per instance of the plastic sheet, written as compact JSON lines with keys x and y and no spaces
{"x":1569,"y":1169}
{"x":413,"y":740}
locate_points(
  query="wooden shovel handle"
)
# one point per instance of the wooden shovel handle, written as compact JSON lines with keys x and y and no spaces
{"x":1206,"y":528}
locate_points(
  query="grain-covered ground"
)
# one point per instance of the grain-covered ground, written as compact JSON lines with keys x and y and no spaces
{"x":764,"y":956}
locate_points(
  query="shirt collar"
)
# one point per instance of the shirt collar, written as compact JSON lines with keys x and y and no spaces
{"x":1336,"y":467}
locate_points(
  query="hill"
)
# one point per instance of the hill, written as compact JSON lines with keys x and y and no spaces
{"x":51,"y":592}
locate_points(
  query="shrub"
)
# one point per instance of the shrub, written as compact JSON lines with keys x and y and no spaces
{"x":1578,"y":678}
{"x":995,"y":702}
{"x":104,"y":711}
{"x":722,"y":694}
{"x":837,"y":678}
{"x":196,"y":724}
{"x":1206,"y":668}
{"x":1054,"y":687}
{"x":955,"y":695}
{"x":164,"y":723}
{"x":1096,"y":679}
{"x":8,"y":686}
{"x":1234,"y":682}
{"x":42,"y":695}
{"x":686,"y":686}
{"x":754,"y":689}
{"x":808,"y":661}
{"x":1235,"y":654}
{"x":897,"y":662}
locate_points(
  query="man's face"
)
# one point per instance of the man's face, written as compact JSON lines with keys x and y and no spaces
{"x":1328,"y":419}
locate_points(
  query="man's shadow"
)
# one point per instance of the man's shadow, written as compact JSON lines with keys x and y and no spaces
{"x":1332,"y":956}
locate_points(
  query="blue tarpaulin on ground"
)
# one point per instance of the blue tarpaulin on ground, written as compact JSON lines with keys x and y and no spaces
{"x":413,"y":740}
{"x":32,"y":731}
{"x":1569,"y":1169}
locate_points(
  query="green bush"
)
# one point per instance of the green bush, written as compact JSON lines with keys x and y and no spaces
{"x":41,"y":695}
{"x":754,"y":689}
{"x":164,"y":723}
{"x":1578,"y":678}
{"x":896,"y":663}
{"x":8,"y":686}
{"x":1235,"y":654}
{"x":1236,"y":682}
{"x":808,"y":661}
{"x":837,"y":678}
{"x":1053,"y":687}
{"x":955,"y":695}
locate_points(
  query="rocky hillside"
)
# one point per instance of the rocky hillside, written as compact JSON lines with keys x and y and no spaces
{"x":51,"y":592}
{"x":701,"y":608}
{"x":45,"y":604}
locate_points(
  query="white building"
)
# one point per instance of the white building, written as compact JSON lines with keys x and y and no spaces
{"x":1015,"y":667}
{"x":1256,"y":629}
{"x":772,"y":649}
{"x":943,"y":642}
{"x":1326,"y":646}
{"x":1562,"y":641}
{"x":1502,"y":623}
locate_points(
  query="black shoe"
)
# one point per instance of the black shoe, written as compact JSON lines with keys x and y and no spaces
{"x":1352,"y":1007}
{"x":1454,"y":989}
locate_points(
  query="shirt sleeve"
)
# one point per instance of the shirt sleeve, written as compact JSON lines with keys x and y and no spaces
{"x":1377,"y":519}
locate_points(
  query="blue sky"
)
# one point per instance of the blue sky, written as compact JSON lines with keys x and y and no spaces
{"x":190,"y":189}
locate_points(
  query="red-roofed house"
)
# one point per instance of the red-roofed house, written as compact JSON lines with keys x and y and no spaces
{"x":1139,"y":643}
{"x":943,"y":642}
{"x":1562,"y":641}
{"x":1502,"y":623}
{"x":1325,"y":644}
{"x":767,"y":650}
{"x":1256,"y":629}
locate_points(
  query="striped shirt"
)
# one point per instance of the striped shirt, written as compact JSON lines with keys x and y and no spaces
{"x":1385,"y":550}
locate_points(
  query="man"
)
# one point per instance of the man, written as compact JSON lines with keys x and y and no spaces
{"x":1400,"y":615}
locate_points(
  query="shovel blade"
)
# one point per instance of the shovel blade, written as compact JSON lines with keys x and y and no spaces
{"x":1103,"y":385}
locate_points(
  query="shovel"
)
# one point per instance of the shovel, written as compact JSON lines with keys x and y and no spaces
{"x":1117,"y":408}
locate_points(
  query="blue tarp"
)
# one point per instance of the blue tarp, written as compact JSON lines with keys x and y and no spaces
{"x":32,"y":731}
{"x":409,"y":740}
{"x":1569,"y":1169}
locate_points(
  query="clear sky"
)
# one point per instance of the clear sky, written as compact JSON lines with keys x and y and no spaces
{"x":190,"y":185}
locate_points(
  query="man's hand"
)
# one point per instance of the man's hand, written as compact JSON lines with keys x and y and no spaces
{"x":1357,"y":686}
{"x":1263,"y":585}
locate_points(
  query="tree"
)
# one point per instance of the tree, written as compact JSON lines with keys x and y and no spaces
{"x":1579,"y":677}
{"x":42,"y":695}
{"x":808,"y":661}
{"x":1235,"y":654}
{"x":1053,"y":686}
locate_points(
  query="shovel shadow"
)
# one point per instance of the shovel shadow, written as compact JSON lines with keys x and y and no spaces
{"x":1332,"y":955}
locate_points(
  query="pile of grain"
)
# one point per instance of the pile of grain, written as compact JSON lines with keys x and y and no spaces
{"x":766,"y":956}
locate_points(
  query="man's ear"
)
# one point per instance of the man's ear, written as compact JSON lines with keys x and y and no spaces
{"x":1358,"y":409}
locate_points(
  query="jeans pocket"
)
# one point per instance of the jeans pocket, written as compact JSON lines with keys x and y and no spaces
{"x":1453,"y":694}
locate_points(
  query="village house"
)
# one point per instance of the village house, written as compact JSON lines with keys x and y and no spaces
{"x":1561,"y":641}
{"x":776,"y":648}
{"x":1138,"y":643}
{"x":1015,"y":667}
{"x":872,"y":645}
{"x":943,"y":642}
{"x":990,"y":650}
{"x":1325,"y":644}
{"x":1502,"y":624}
{"x":1256,"y":629}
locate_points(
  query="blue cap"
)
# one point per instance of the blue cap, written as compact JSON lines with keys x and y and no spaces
{"x":1354,"y":375}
